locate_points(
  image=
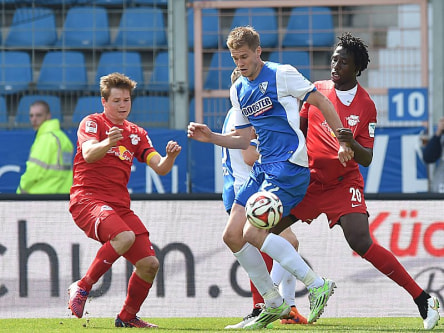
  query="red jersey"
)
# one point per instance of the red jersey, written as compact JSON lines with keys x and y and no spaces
{"x":322,"y":145}
{"x":107,"y":178}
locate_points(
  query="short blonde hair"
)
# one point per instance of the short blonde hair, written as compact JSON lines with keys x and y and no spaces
{"x":115,"y":80}
{"x":241,"y":36}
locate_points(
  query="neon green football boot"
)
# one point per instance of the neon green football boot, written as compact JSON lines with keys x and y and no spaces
{"x":318,"y":298}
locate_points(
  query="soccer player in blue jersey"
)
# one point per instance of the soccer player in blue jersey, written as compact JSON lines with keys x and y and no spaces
{"x":266,"y":99}
{"x":236,"y":167}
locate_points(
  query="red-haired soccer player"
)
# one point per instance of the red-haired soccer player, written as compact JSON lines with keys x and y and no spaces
{"x":100,"y":202}
{"x":330,"y":180}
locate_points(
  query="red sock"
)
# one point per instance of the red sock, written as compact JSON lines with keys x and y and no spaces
{"x":387,"y":264}
{"x":257,"y":298}
{"x":137,"y":292}
{"x":105,"y":257}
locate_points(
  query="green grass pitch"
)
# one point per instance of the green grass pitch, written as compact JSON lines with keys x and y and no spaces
{"x":181,"y":325}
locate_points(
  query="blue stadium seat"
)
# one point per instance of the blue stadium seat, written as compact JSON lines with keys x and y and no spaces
{"x":309,"y":26}
{"x":22,"y":114}
{"x":86,"y":105}
{"x":108,"y":2}
{"x":85,"y":27}
{"x":262,"y":19}
{"x":219,"y":72}
{"x":141,"y":27}
{"x":299,"y":59}
{"x":15,"y":71}
{"x":128,"y":63}
{"x":150,"y":2}
{"x":32,"y":27}
{"x":210,"y":28}
{"x":63,"y":71}
{"x":214,"y":111}
{"x":152,"y":110}
{"x":3,"y":111}
{"x":159,"y":80}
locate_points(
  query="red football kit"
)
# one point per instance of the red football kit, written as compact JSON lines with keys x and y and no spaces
{"x":334,"y":189}
{"x":99,"y":189}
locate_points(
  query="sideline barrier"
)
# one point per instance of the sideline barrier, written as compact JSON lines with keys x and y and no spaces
{"x":42,"y":251}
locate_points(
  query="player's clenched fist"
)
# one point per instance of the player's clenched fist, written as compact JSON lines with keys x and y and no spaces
{"x":173,"y":148}
{"x":199,"y":132}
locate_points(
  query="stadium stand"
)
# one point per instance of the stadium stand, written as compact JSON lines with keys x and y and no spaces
{"x":85,"y":106}
{"x":141,"y":27}
{"x":309,"y":26}
{"x":299,"y":59}
{"x":15,"y":71}
{"x":263,"y":20}
{"x":151,"y":110}
{"x":159,"y":80}
{"x":221,"y":66}
{"x":128,"y":63}
{"x":3,"y":111}
{"x":85,"y":27}
{"x":210,"y":27}
{"x":32,"y":27}
{"x":63,"y":71}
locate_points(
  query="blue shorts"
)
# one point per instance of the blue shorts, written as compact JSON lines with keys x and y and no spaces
{"x":287,"y":180}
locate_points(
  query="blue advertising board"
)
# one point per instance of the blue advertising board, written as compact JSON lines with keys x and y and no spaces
{"x":396,"y":167}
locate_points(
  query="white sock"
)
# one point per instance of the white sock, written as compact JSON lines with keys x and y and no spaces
{"x":251,"y":260}
{"x":277,"y":273}
{"x":287,"y":287}
{"x":283,"y":252}
{"x":286,"y":282}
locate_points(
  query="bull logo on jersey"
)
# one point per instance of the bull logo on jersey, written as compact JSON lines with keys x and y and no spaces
{"x":263,"y":87}
{"x":135,"y":139}
{"x":352,"y":120}
{"x":122,"y":153}
{"x":258,"y":107}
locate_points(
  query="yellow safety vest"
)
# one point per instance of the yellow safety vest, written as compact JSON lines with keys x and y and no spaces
{"x":49,"y":166}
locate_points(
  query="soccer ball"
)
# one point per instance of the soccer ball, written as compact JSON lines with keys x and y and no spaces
{"x":264,"y":210}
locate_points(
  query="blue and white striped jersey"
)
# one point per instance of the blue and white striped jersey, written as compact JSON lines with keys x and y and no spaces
{"x":270,"y":103}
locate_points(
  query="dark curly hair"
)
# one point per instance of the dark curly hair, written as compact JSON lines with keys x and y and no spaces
{"x":357,"y":48}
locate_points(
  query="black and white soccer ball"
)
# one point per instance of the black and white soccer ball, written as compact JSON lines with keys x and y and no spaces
{"x":264,"y":210}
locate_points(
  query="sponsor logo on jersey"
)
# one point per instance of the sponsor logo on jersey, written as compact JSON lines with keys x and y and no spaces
{"x":263,"y":87}
{"x":352,"y":120}
{"x":122,"y":153}
{"x":90,"y":126}
{"x":258,"y":107}
{"x":328,"y":128}
{"x":371,"y":129}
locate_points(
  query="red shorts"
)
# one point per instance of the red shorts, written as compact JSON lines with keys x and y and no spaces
{"x":335,"y":200}
{"x":103,"y":222}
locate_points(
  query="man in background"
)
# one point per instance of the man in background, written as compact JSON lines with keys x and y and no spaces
{"x":49,"y":166}
{"x":431,"y":153}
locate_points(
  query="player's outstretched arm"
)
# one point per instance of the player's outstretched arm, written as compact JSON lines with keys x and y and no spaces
{"x":163,"y":164}
{"x":239,"y":139}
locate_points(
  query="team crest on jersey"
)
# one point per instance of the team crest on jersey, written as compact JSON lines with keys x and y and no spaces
{"x":135,"y":139}
{"x":352,"y":120}
{"x":263,"y":87}
{"x":90,"y":126}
